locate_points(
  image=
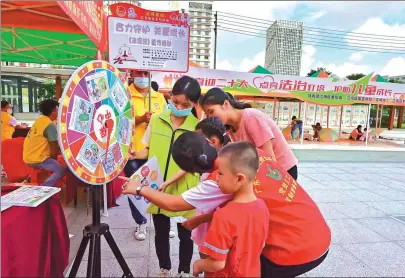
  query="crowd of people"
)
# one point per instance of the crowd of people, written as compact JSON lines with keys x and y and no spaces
{"x":232,"y":177}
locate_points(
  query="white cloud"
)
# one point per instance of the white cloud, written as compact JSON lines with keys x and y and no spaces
{"x":356,"y":57}
{"x":347,"y":68}
{"x":377,"y":26}
{"x":307,"y":59}
{"x":255,"y":9}
{"x":224,"y":65}
{"x":395,"y":66}
{"x":248,"y":63}
{"x":314,"y":16}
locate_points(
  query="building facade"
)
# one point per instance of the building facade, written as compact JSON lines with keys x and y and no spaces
{"x":400,"y":78}
{"x":284,"y":47}
{"x":201,"y":30}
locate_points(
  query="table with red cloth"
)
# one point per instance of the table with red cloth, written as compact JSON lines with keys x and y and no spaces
{"x":34,"y":241}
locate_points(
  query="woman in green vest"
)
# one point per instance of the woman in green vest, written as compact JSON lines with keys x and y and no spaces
{"x":162,"y":131}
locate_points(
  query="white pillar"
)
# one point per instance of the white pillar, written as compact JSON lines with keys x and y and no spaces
{"x":303,"y":122}
{"x":367,"y":124}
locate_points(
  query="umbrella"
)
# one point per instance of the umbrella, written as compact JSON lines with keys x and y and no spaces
{"x":328,"y":135}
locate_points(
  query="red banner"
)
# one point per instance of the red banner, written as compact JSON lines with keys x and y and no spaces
{"x":89,"y":16}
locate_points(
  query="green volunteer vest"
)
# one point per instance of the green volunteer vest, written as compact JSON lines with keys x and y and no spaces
{"x":161,"y":139}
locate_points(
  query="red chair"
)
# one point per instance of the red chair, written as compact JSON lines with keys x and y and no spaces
{"x":12,"y":160}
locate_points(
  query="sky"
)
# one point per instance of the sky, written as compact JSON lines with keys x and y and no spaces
{"x":241,"y":53}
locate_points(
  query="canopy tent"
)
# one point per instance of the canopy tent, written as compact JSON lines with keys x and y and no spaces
{"x":52,"y":32}
{"x":260,"y":69}
{"x":378,"y":78}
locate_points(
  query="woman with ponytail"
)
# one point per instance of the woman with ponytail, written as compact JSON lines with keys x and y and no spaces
{"x":252,"y":125}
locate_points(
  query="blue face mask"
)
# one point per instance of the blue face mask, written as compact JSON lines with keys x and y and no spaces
{"x":141,"y":82}
{"x":177,"y":112}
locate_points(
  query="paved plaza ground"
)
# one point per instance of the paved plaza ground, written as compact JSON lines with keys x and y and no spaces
{"x":359,"y":201}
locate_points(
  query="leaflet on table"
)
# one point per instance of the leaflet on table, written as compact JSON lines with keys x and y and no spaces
{"x":29,"y":196}
{"x":4,"y":207}
{"x":150,"y":175}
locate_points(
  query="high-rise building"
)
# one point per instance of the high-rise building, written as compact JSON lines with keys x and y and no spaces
{"x":201,"y":30}
{"x":284,"y":47}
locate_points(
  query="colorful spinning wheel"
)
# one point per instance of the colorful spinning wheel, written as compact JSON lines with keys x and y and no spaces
{"x":96,"y":122}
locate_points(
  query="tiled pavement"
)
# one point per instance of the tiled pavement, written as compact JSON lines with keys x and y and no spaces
{"x":359,"y":202}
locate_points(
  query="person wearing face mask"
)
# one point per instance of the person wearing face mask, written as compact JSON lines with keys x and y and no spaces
{"x":140,"y":88}
{"x":162,"y":131}
{"x":8,"y":122}
{"x":41,"y":148}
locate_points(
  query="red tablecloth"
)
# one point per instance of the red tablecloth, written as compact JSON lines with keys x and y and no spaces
{"x":34,"y":241}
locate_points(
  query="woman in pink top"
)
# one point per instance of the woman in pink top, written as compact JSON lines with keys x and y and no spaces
{"x":248,"y":124}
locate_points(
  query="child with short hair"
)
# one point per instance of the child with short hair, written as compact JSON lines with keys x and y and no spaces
{"x":238,"y":230}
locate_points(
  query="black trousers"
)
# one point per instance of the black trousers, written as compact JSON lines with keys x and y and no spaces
{"x":293,"y":171}
{"x":162,"y":244}
{"x":270,"y":269}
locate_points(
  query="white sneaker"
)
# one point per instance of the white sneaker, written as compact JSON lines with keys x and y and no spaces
{"x":140,"y":232}
{"x":182,"y":274}
{"x":172,"y":234}
{"x":163,"y":273}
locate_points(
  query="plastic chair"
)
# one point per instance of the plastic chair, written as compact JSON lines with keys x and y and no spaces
{"x":12,"y":160}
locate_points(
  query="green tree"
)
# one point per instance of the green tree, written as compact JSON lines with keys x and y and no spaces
{"x":48,"y":90}
{"x":355,"y":76}
{"x":321,"y":68}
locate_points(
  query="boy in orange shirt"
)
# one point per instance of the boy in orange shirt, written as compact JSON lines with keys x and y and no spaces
{"x":238,"y":230}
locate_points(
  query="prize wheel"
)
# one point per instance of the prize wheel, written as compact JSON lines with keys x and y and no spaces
{"x":96,"y":122}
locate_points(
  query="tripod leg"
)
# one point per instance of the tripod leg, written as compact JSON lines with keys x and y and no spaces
{"x":79,"y":256}
{"x":92,"y":256}
{"x":98,"y":256}
{"x":117,"y":253}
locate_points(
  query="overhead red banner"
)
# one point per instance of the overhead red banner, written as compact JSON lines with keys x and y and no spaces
{"x":89,"y":16}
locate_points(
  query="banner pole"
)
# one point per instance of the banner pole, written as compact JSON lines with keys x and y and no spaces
{"x":303,"y":123}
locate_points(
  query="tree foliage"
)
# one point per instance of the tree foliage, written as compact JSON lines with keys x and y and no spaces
{"x":355,"y":76}
{"x":321,"y":69}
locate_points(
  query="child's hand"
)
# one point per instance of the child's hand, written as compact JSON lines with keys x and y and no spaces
{"x":197,"y":269}
{"x":192,"y":223}
{"x":130,"y":186}
{"x":163,"y":186}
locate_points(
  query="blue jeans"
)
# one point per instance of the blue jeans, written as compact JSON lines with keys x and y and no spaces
{"x":51,"y":165}
{"x":129,"y":170}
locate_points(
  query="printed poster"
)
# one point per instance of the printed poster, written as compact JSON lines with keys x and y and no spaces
{"x":97,"y":86}
{"x":89,"y":154}
{"x":118,"y":96}
{"x":150,"y":175}
{"x":82,"y":114}
{"x":114,"y":157}
{"x":28,"y":196}
{"x":124,"y":130}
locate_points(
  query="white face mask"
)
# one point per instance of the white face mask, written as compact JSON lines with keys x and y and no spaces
{"x":141,"y":82}
{"x":10,"y":111}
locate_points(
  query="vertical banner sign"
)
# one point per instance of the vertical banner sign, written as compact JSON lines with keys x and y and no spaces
{"x":148,"y":40}
{"x":89,"y":16}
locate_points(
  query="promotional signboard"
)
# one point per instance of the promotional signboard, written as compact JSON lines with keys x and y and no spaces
{"x":314,"y":90}
{"x":148,"y":40}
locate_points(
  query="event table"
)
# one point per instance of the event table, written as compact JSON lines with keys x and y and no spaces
{"x":21,"y":132}
{"x":34,"y":241}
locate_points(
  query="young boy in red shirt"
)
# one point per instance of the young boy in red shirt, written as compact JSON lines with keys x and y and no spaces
{"x":238,"y":230}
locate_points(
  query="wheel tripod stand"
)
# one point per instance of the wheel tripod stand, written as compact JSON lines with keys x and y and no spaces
{"x":92,"y":234}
